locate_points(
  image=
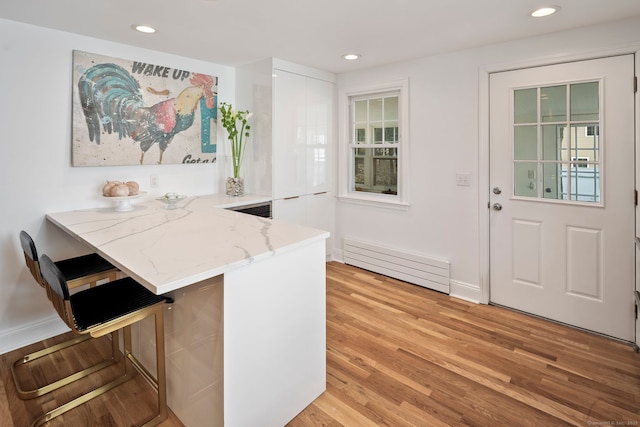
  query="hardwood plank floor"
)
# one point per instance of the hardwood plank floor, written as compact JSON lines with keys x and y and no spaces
{"x":400,"y":355}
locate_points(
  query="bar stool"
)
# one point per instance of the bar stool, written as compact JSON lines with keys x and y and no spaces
{"x":102,"y":310}
{"x":78,"y":271}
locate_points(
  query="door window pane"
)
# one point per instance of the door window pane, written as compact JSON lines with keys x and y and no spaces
{"x":525,"y":143}
{"x":585,"y":142}
{"x":585,"y":185}
{"x":525,"y":106}
{"x":552,"y":181}
{"x":553,"y":103}
{"x":525,"y":179}
{"x":585,"y":101}
{"x":554,"y":143}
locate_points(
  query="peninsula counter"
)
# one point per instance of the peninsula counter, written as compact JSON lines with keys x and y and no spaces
{"x":245,"y":337}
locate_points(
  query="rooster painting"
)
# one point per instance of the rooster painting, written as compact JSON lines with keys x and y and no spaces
{"x":112,"y":102}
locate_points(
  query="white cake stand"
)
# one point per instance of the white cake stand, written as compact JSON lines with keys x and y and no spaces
{"x":123,"y":203}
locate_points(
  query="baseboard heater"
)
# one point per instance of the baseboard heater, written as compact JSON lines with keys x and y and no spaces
{"x":403,"y":265}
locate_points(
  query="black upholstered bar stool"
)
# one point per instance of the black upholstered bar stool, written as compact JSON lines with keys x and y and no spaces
{"x":78,"y":271}
{"x":82,"y":270}
{"x":102,"y":310}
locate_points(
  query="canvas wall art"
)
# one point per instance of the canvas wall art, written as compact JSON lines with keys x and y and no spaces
{"x":135,"y":113}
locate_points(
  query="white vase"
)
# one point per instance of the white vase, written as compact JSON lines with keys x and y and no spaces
{"x":235,"y":186}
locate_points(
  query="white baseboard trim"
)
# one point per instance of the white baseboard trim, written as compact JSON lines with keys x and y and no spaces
{"x":338,"y":255}
{"x":13,"y":339}
{"x":465,"y":291}
{"x":457,"y":289}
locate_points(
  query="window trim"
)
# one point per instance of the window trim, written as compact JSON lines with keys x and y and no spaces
{"x":345,"y":168}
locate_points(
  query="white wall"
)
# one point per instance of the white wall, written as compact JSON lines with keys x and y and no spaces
{"x":36,"y":175}
{"x":447,"y":131}
{"x":447,"y":128}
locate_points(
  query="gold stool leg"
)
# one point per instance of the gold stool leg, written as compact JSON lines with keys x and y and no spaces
{"x":40,"y":391}
{"x":160,"y":384}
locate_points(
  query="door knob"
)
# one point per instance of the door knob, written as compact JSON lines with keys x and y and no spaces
{"x":497,"y":190}
{"x":497,"y":207}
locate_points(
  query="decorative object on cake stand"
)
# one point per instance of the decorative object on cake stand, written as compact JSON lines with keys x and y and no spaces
{"x":231,"y":121}
{"x":122,"y":192}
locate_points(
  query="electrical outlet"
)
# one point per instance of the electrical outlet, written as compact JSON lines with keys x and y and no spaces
{"x":154,"y":181}
{"x":463,"y":179}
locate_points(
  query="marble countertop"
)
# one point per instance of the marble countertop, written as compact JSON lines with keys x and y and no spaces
{"x":168,"y":249}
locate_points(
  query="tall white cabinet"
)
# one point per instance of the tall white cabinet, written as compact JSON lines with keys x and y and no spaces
{"x":299,"y":118}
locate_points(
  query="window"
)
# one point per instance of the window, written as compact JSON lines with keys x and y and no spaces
{"x":375,"y":145}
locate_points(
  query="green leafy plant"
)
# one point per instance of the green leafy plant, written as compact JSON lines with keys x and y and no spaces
{"x":231,"y":121}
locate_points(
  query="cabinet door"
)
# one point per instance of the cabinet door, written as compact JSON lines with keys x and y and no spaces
{"x":320,"y":210}
{"x":319,"y":131}
{"x":313,"y":210}
{"x":292,"y":210}
{"x":289,"y":135}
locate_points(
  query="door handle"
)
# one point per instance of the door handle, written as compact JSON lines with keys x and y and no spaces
{"x":497,"y":207}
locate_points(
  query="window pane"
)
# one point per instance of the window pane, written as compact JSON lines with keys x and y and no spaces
{"x":391,"y":132}
{"x":525,"y":106}
{"x":385,"y":152}
{"x":554,"y":143}
{"x":377,"y":133}
{"x":385,"y":173}
{"x":375,"y":110}
{"x":552,"y":181}
{"x":360,"y":114}
{"x":376,"y":170}
{"x":359,"y":170}
{"x":360,"y":136}
{"x":553,"y":103}
{"x":525,"y":143}
{"x":585,"y":101}
{"x":524,"y":182}
{"x":391,"y":109}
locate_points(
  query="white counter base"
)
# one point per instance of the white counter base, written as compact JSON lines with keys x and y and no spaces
{"x":247,"y":348}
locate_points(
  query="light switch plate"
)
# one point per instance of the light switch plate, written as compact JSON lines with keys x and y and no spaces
{"x":463,"y":179}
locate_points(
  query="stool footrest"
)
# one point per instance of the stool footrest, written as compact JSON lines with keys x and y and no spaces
{"x":40,"y":391}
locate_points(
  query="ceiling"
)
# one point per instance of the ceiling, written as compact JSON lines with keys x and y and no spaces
{"x":313,"y":33}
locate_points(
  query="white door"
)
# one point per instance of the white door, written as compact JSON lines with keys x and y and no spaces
{"x":562,"y":193}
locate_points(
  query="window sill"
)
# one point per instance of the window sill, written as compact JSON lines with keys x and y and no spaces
{"x":374,"y":201}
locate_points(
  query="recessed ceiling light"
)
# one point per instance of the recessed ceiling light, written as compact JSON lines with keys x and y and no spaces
{"x":144,"y":29}
{"x":351,"y":56}
{"x":545,"y":11}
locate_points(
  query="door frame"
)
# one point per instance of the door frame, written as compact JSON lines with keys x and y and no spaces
{"x":483,"y":151}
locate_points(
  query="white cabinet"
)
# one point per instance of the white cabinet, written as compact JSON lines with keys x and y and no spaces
{"x":302,"y":130}
{"x":292,"y":154}
{"x":312,"y":210}
{"x":303,"y":135}
{"x":289,"y":135}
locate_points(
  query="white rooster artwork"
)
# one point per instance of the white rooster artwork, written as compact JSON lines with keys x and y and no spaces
{"x":133,"y":112}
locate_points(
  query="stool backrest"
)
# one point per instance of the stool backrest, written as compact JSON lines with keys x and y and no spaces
{"x":58,"y":289}
{"x":31,"y":256}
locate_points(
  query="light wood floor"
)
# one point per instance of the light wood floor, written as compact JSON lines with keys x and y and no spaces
{"x":400,"y":355}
